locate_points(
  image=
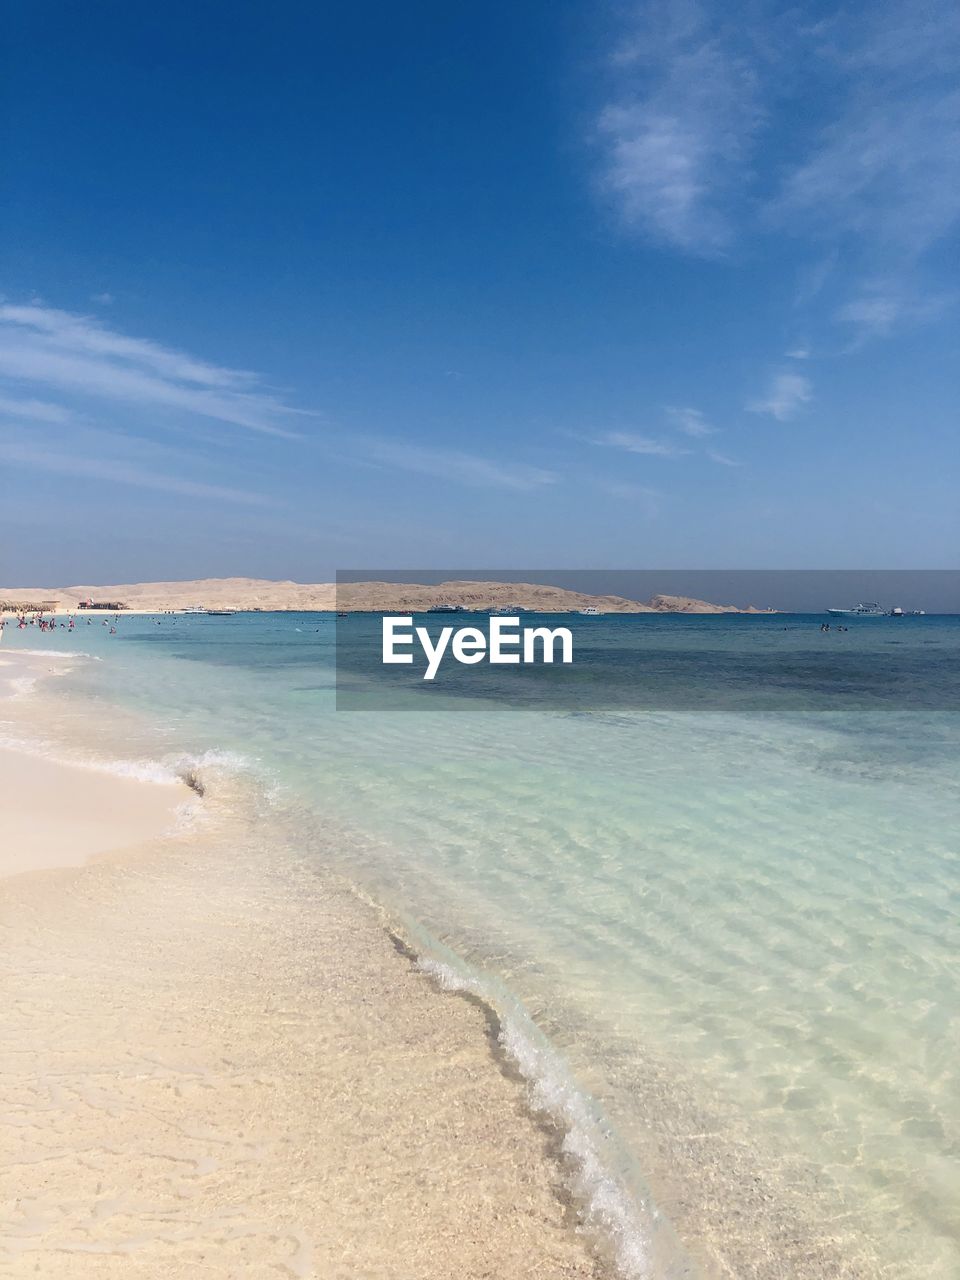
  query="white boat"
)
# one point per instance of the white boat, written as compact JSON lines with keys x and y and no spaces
{"x":864,"y":610}
{"x":591,"y":611}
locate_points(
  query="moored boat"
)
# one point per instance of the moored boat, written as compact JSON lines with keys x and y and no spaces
{"x":863,"y":610}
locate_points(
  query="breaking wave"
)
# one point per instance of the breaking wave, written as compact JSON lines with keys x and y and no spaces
{"x":194,"y":770}
{"x":56,"y":653}
{"x":623,"y":1224}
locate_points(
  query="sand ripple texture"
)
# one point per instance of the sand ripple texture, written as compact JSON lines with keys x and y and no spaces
{"x":212,"y":1065}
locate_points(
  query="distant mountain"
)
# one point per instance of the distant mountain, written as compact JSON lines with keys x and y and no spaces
{"x":374,"y":597}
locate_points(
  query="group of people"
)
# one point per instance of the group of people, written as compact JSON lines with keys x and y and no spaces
{"x":51,"y":624}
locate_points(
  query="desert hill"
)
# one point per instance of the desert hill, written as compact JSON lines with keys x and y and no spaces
{"x":261,"y":593}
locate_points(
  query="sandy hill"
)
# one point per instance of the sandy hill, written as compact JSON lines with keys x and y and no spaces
{"x":260,"y":593}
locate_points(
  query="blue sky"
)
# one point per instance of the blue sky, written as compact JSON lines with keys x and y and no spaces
{"x":293,"y":287}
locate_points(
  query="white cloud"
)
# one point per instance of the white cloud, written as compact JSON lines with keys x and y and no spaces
{"x":97,"y":367}
{"x":632,"y":443}
{"x":33,"y":410}
{"x":454,"y":465}
{"x":880,"y":308}
{"x":75,"y":354}
{"x":119,"y":471}
{"x":785,"y":396}
{"x":722,"y":460}
{"x":886,"y":165}
{"x":887,"y":170}
{"x":798,"y":353}
{"x":79,"y":333}
{"x":680,"y":126}
{"x":873,"y":171}
{"x":691,"y":422}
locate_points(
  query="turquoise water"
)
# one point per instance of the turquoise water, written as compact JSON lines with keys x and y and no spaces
{"x":721,"y":887}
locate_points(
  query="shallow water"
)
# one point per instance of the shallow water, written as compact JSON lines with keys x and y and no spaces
{"x":725,"y":890}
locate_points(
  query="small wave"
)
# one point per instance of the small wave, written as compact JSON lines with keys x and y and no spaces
{"x":56,"y":653}
{"x":608,"y":1210}
{"x":20,"y":686}
{"x":139,"y":770}
{"x":194,"y":770}
{"x":213,"y":758}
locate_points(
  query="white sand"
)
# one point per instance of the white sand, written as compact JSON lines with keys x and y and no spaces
{"x":58,"y":815}
{"x":215,"y":1065}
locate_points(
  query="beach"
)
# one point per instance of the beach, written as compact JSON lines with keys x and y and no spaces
{"x":56,"y":816}
{"x":480,"y":642}
{"x":217,"y":1064}
{"x":657,"y":986}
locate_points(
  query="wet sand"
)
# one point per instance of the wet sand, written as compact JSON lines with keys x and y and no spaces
{"x":56,"y":815}
{"x":215,"y":1062}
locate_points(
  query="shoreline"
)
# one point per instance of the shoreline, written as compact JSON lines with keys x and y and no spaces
{"x":703,"y":1201}
{"x":94,"y":815}
{"x":316,"y":1102}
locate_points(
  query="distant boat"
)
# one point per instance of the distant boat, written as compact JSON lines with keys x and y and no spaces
{"x":591,"y":611}
{"x":194,"y":608}
{"x":505,"y":610}
{"x":864,"y":610}
{"x":447,"y":608}
{"x":219,"y":613}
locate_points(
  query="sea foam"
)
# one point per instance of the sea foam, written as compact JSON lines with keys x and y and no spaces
{"x":172,"y":771}
{"x":621,"y":1222}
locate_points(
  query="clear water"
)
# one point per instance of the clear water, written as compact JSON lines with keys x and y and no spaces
{"x":734,"y":917}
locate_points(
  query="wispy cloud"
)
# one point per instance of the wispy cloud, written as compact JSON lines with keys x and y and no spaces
{"x":873,"y":315}
{"x":119,"y":471}
{"x":870,"y":180}
{"x":648,"y":501}
{"x":33,"y":410}
{"x":87,"y":369}
{"x":722,"y":459}
{"x":881,"y":307}
{"x":452,"y":465}
{"x":691,"y":422}
{"x":886,"y":164}
{"x":679,"y":128}
{"x":75,"y":354}
{"x":786,"y":395}
{"x":632,"y":443}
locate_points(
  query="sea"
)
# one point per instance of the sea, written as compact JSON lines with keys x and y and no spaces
{"x":709,"y":879}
